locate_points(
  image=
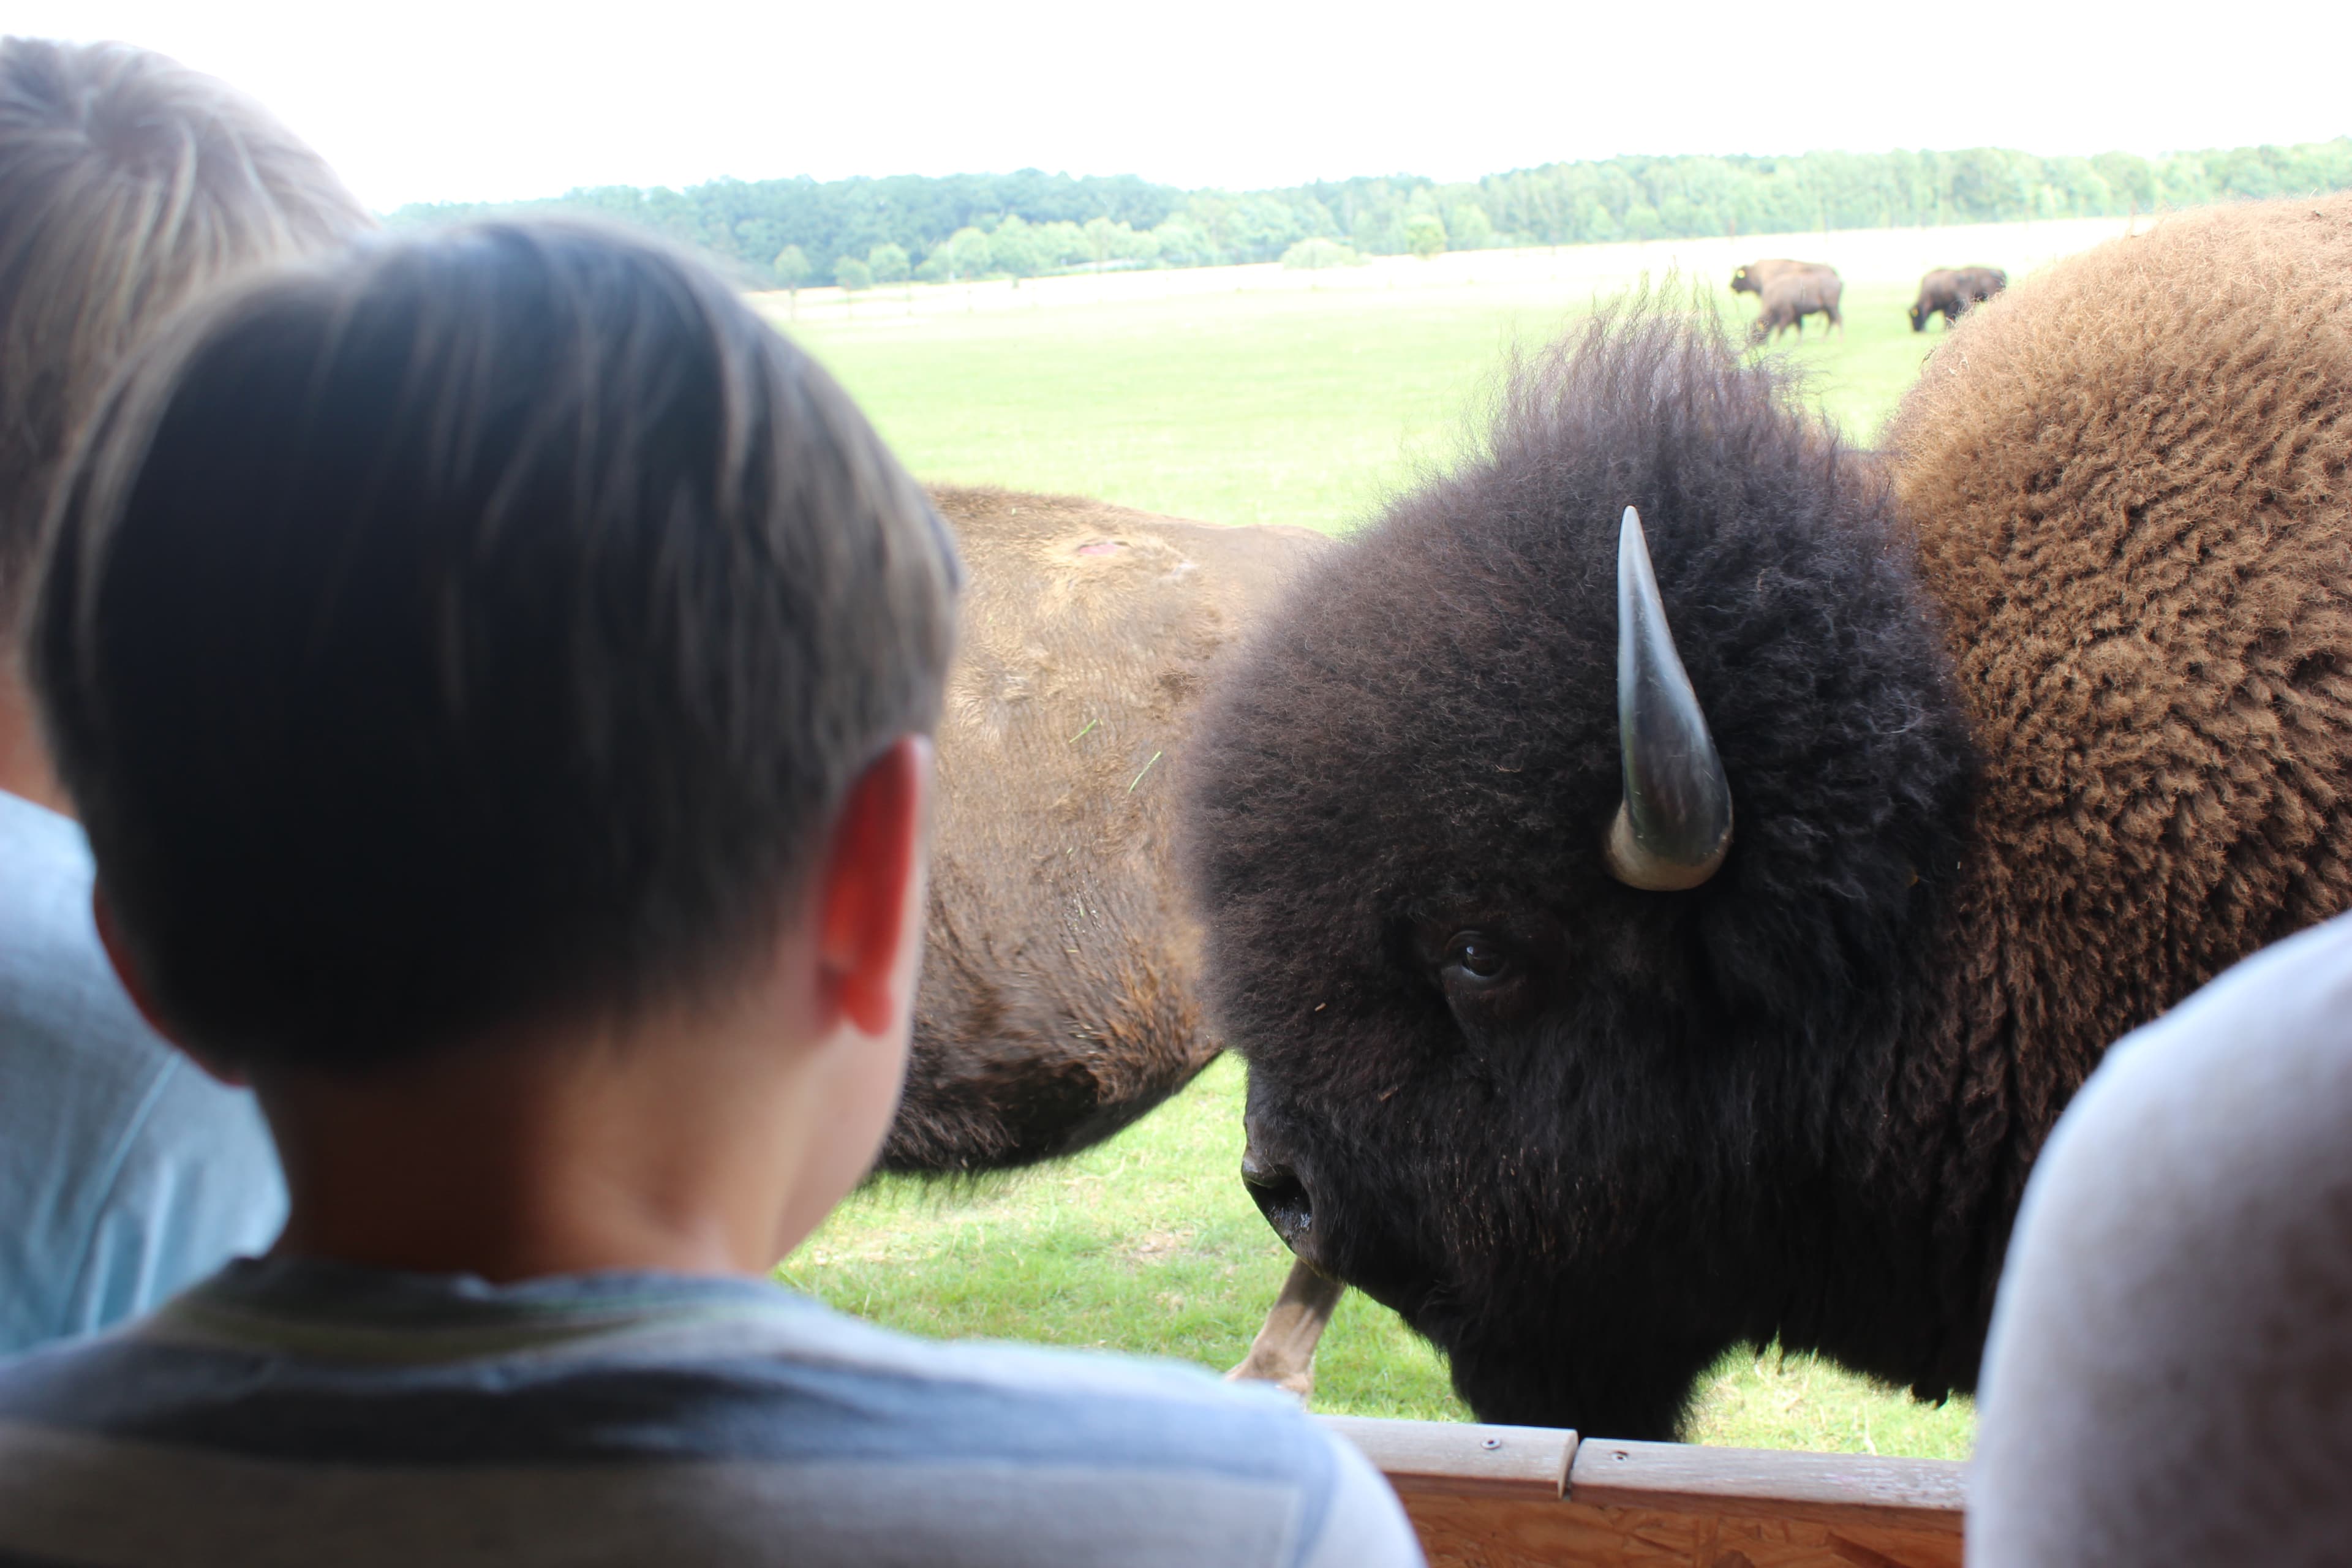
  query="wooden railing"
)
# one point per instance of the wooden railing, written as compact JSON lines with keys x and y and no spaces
{"x":1536,"y":1497}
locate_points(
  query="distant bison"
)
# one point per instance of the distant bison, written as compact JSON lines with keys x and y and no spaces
{"x":1058,"y":993}
{"x":1757,"y":276}
{"x":1791,"y":297}
{"x":1646,"y":939}
{"x":1948,"y":290}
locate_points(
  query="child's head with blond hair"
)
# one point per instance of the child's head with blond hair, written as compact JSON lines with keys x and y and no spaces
{"x":128,"y":183}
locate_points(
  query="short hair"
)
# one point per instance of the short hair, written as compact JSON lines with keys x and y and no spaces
{"x":478,"y":629}
{"x":126,"y":183}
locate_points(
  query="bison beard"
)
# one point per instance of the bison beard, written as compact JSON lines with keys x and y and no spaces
{"x":2031,"y":728}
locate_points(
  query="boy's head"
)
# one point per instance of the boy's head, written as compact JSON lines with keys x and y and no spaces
{"x":127,"y":184}
{"x":476,"y":631}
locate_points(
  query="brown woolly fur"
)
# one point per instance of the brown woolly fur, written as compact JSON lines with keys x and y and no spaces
{"x":1058,"y":1000}
{"x":2131,"y":485}
{"x":2030,"y":728}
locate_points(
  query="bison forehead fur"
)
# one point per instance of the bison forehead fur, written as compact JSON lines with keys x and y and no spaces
{"x":2032,"y":726}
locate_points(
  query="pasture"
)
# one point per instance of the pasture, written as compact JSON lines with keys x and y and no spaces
{"x":1248,"y":394}
{"x":1258,"y":396}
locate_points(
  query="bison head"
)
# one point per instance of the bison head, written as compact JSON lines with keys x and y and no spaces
{"x":1585,"y":1128}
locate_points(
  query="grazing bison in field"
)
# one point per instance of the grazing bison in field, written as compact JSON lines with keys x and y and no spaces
{"x":1649,"y":939}
{"x":1758,"y":276}
{"x":1948,"y":290}
{"x":1058,"y":994}
{"x":1791,"y":298}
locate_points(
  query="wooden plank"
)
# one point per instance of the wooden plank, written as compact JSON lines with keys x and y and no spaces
{"x":1533,"y":1497}
{"x":1910,"y":1495}
{"x":1457,"y":1458}
{"x":1491,"y":1532}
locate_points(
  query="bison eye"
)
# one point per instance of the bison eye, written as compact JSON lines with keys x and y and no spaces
{"x":1476,"y":958}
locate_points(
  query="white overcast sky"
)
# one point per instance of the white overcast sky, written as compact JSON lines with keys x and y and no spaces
{"x":486,"y":99}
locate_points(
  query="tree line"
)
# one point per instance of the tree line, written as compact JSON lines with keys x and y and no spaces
{"x":860,"y":232}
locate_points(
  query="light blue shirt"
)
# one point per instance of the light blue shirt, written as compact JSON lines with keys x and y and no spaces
{"x":125,"y":1173}
{"x":294,"y":1411}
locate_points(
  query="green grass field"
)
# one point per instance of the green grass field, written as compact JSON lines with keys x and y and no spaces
{"x":1302,"y":407}
{"x":1306,"y":407}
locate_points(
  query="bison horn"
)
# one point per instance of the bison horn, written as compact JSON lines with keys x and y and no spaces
{"x":1675,"y":823}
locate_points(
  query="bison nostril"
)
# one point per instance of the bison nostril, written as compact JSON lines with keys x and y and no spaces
{"x":1282,"y":1197}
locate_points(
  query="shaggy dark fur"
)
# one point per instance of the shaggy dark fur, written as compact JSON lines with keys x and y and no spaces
{"x":1948,"y":290}
{"x":1058,"y":996}
{"x":2015,"y":767}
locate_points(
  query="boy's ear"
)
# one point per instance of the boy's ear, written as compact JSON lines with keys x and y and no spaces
{"x":873,"y":872}
{"x":134,"y":985}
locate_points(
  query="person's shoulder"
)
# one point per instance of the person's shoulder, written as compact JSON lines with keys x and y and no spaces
{"x":2230,"y":1105}
{"x":124,"y":1173}
{"x":2304,"y":979}
{"x":860,"y":1444}
{"x":822,"y":1332}
{"x":45,"y":894}
{"x":2170,"y":1321}
{"x":59,"y":997}
{"x":1046,"y":1377}
{"x":2257,"y":1062}
{"x":1153,"y":1428}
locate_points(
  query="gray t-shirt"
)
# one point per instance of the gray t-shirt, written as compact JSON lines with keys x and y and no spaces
{"x":2168,"y":1378}
{"x":125,"y":1173}
{"x":293,"y":1412}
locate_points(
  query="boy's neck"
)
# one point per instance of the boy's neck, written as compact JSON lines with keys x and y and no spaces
{"x":683,"y":1146}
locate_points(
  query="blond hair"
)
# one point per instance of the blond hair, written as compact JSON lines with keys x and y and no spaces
{"x":128,"y":182}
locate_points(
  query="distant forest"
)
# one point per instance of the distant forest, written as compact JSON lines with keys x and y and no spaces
{"x":858,"y":232}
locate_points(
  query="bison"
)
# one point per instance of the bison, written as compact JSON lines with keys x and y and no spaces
{"x":1058,"y":1002}
{"x":1789,"y":291}
{"x":1654,"y":931}
{"x":1948,"y":290}
{"x":1791,"y":298}
{"x":1758,"y":276}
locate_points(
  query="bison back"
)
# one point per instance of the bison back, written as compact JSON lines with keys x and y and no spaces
{"x":1794,"y":296}
{"x":1758,"y":276}
{"x":2131,"y":482}
{"x":1978,"y":283}
{"x":1057,"y":999}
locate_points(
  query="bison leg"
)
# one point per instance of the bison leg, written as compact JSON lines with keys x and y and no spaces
{"x":1284,"y":1352}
